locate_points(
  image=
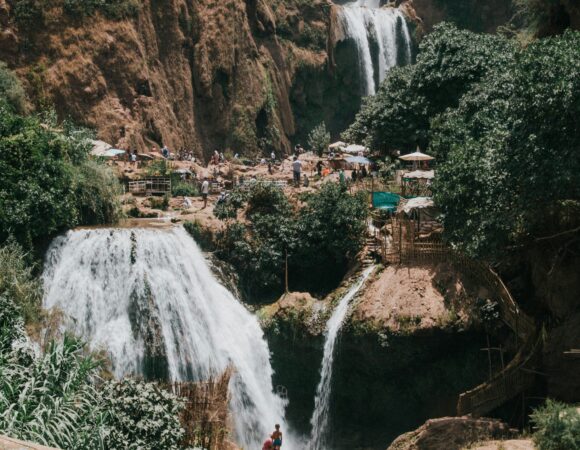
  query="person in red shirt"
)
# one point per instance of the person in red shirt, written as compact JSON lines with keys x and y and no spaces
{"x":267,"y":444}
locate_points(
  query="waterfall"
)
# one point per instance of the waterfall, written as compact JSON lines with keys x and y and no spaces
{"x":320,"y":417}
{"x":147,"y":295}
{"x":365,"y":22}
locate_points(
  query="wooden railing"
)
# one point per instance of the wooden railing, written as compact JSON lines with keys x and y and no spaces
{"x":150,"y":186}
{"x":402,"y":246}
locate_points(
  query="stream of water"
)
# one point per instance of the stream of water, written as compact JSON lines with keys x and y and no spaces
{"x":319,"y":421}
{"x":368,"y":24}
{"x":144,"y":294}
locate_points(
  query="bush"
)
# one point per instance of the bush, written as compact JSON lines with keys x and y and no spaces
{"x":319,"y":139}
{"x":29,"y":12}
{"x":181,"y":189}
{"x":141,"y":416}
{"x":57,"y":398}
{"x":11,"y":89}
{"x":17,"y":282}
{"x":557,"y":427}
{"x":201,"y":235}
{"x":319,"y":239}
{"x":47,"y":183}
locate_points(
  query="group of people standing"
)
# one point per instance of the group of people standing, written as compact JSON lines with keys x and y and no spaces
{"x":274,"y":442}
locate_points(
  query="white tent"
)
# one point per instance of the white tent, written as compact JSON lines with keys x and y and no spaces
{"x":338,"y":145}
{"x":421,"y":174}
{"x":356,"y":149}
{"x":99,"y":147}
{"x":417,"y":203}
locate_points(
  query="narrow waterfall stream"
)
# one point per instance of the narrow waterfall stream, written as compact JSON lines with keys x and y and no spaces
{"x":321,"y":413}
{"x":147,"y":296}
{"x":368,"y":24}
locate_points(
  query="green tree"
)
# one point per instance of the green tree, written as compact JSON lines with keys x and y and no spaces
{"x":449,"y":63}
{"x":11,"y":89}
{"x":319,"y":139}
{"x":557,"y":426}
{"x":48,"y":184}
{"x":510,"y":150}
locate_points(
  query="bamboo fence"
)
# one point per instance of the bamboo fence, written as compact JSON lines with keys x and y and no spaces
{"x":205,"y":416}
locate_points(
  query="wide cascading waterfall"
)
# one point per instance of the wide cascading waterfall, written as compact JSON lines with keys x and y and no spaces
{"x":366,"y":23}
{"x":319,"y":421}
{"x":148,"y":295}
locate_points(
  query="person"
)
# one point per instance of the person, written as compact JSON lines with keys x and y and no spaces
{"x":319,"y":165}
{"x":165,"y":152}
{"x":269,"y":167}
{"x":205,"y":191}
{"x":267,"y":444}
{"x":296,"y":169}
{"x":134,"y":159}
{"x":363,"y":172}
{"x":186,"y":203}
{"x":273,"y":157}
{"x":222,"y":157}
{"x":276,"y":438}
{"x":306,"y":182}
{"x":354,"y":175}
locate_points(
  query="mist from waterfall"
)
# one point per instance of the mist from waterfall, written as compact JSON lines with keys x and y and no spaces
{"x":146,"y":295}
{"x":319,"y":421}
{"x":367,"y":24}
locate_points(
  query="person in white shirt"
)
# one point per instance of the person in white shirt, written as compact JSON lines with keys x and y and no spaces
{"x":204,"y":191}
{"x":296,"y":169}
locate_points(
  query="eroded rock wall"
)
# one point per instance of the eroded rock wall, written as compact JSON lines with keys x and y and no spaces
{"x":195,"y":74}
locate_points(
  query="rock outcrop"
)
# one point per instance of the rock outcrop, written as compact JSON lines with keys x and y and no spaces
{"x":451,"y":433}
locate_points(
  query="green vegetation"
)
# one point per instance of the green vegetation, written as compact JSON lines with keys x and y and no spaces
{"x":502,"y":122}
{"x":181,"y":189}
{"x":11,"y":89}
{"x":319,"y":139}
{"x":319,"y":238}
{"x":449,"y":63}
{"x":48,"y":183}
{"x":557,"y":427}
{"x":56,"y":397}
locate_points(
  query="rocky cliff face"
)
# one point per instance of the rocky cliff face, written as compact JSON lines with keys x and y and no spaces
{"x":248,"y":75}
{"x":188,"y":73}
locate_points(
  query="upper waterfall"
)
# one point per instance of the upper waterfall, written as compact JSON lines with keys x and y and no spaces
{"x":385,"y":29}
{"x":150,"y":300}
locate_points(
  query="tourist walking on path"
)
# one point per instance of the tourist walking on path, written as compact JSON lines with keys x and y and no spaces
{"x":296,"y":171}
{"x":204,"y":191}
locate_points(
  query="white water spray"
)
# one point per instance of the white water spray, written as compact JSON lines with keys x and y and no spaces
{"x":366,"y":22}
{"x":321,"y":413}
{"x":142,"y":292}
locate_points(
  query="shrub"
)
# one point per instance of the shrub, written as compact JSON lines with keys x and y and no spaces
{"x":29,"y":12}
{"x":141,"y":416}
{"x":11,"y":89}
{"x":47,"y":183}
{"x":201,"y":235}
{"x":17,"y":282}
{"x":557,"y":427}
{"x":181,"y":189}
{"x":319,"y":139}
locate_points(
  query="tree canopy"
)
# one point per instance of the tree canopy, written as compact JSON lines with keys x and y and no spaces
{"x":502,"y":121}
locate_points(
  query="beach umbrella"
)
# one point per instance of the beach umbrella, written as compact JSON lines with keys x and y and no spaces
{"x":416,"y":156}
{"x":337,"y":145}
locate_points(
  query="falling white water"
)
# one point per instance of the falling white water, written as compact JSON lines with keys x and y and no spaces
{"x":321,"y":413}
{"x":365,"y":21}
{"x":135,"y":292}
